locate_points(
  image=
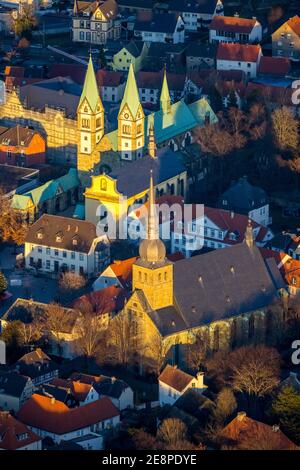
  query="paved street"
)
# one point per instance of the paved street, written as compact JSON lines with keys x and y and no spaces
{"x":37,"y":288}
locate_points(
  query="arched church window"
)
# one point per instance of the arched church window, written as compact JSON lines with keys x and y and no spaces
{"x":216,"y":338}
{"x":145,"y":277}
{"x":85,"y":123}
{"x":139,"y":128}
{"x":251,"y":327}
{"x":159,"y":277}
{"x":98,"y":122}
{"x":86,"y":109}
{"x":140,"y":276}
{"x":103,"y":184}
{"x":126,"y":129}
{"x":165,"y":276}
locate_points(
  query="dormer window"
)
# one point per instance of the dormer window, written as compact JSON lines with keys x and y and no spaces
{"x":40,"y":235}
{"x":58,"y":237}
{"x":22,"y":436}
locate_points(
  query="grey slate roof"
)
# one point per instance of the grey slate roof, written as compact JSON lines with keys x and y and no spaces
{"x":12,"y":384}
{"x":160,"y":23}
{"x":195,"y":49}
{"x":110,"y":387}
{"x":194,"y":6}
{"x":242,"y":197}
{"x":214,"y":286}
{"x":134,"y":177}
{"x":35,"y":364}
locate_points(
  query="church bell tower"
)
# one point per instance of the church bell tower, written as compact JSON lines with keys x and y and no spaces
{"x":90,"y":123}
{"x":153,"y":272}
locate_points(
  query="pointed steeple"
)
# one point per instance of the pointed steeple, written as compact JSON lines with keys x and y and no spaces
{"x":75,"y":8}
{"x":152,"y":149}
{"x":165,"y":100}
{"x":153,"y":232}
{"x":131,"y":96}
{"x":152,"y":249}
{"x":90,"y":90}
{"x":249,"y":238}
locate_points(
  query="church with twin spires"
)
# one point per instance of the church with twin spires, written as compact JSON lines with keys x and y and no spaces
{"x":136,"y":133}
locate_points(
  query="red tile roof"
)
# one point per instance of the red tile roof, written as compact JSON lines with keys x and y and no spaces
{"x":110,"y":299}
{"x":175,"y":378}
{"x":109,"y":78}
{"x":274,"y":66}
{"x":15,"y":434}
{"x":154,"y":80}
{"x":54,"y":416}
{"x":78,"y":389}
{"x":294,"y":23}
{"x":243,"y":429}
{"x":232,"y":24}
{"x":238,"y":52}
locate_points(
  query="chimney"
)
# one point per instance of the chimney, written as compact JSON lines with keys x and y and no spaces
{"x":241,"y":415}
{"x":200,"y":379}
{"x":52,"y":401}
{"x":232,"y":215}
{"x":275,"y":428}
{"x":236,"y":15}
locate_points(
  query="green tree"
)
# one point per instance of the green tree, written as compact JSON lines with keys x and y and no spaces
{"x":3,"y":282}
{"x":286,"y":408}
{"x":12,"y":337}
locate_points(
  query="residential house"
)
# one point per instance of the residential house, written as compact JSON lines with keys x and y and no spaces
{"x":286,"y":242}
{"x":173,"y":383}
{"x":150,"y":84}
{"x":81,"y":393}
{"x":128,"y":7}
{"x":38,"y":366}
{"x":21,"y":146}
{"x":63,"y":342}
{"x":116,"y":390}
{"x":244,"y":198}
{"x":244,"y":432}
{"x":117,"y":274}
{"x":292,"y":380}
{"x":51,"y":197}
{"x":15,"y":389}
{"x":133,"y":52}
{"x":170,"y":56}
{"x":54,"y":244}
{"x":95,"y":22}
{"x":105,"y":303}
{"x":111,"y":85}
{"x":84,"y":425}
{"x":290,"y":269}
{"x":242,"y":57}
{"x":200,"y":56}
{"x":214,"y":229}
{"x":286,"y":40}
{"x":196,"y":15}
{"x":163,"y":27}
{"x":235,"y":29}
{"x":15,"y":435}
{"x":274,"y":67}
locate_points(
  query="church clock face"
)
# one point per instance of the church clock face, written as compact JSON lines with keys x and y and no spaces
{"x":126,"y":115}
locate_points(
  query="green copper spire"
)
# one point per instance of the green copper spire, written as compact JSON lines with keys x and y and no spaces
{"x":165,"y":100}
{"x":131,"y":96}
{"x":90,"y":88}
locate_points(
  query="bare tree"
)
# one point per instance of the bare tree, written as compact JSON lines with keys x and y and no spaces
{"x":71,"y":281}
{"x":225,"y":405}
{"x":30,"y":332}
{"x":262,"y":439}
{"x":197,"y":351}
{"x":172,"y":431}
{"x":258,"y":374}
{"x":285,"y":128}
{"x":91,"y":340}
{"x":55,"y":321}
{"x":122,"y":332}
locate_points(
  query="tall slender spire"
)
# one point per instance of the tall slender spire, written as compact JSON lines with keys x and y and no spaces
{"x":152,"y":249}
{"x":249,"y":238}
{"x":131,"y":96}
{"x":152,"y":149}
{"x":153,"y":233}
{"x":165,"y":100}
{"x":90,"y":90}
